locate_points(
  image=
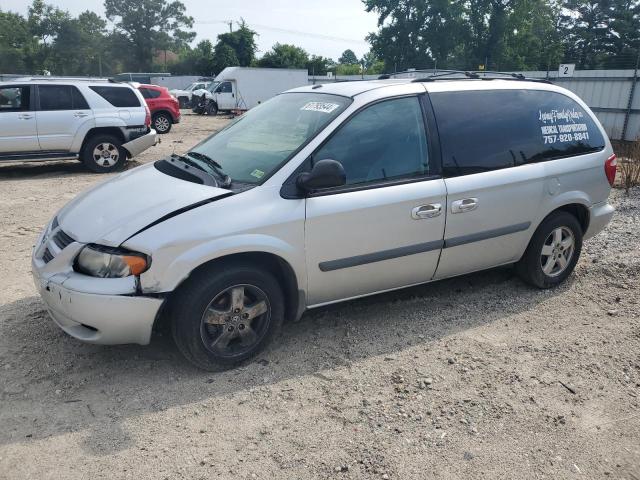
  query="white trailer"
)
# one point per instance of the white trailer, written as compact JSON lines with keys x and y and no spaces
{"x":242,"y":88}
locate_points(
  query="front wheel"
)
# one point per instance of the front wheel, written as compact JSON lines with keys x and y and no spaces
{"x":212,"y":108}
{"x":103,"y":154}
{"x":221,"y":318}
{"x":553,"y":251}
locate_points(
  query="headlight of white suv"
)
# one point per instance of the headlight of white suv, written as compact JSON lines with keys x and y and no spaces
{"x":107,"y":262}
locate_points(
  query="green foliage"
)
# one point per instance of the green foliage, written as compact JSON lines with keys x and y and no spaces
{"x":353,"y":69}
{"x":348,"y":58}
{"x":15,"y":41}
{"x":242,"y":42}
{"x":150,"y":25}
{"x":318,"y":65}
{"x":500,"y":34}
{"x":283,"y":55}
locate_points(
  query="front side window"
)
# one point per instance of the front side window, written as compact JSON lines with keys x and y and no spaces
{"x":256,"y":144}
{"x":14,"y":99}
{"x":383,"y":142}
{"x":488,"y":130}
{"x":121,"y":97}
{"x":225,"y":87}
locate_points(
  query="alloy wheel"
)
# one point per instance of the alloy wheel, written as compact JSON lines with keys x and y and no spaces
{"x":557,"y":251}
{"x":235,"y":321}
{"x":162,"y":124}
{"x":106,"y":154}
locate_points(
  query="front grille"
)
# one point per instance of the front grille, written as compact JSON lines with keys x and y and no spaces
{"x":47,"y":256}
{"x":62,"y":239}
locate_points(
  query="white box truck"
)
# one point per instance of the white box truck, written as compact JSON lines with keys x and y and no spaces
{"x":242,"y":88}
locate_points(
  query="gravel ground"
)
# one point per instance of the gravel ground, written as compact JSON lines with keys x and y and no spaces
{"x":474,"y":377}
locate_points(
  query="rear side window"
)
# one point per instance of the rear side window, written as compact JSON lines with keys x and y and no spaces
{"x":488,"y":130}
{"x":149,"y":93}
{"x":14,"y":99}
{"x":121,"y":97}
{"x":61,"y":97}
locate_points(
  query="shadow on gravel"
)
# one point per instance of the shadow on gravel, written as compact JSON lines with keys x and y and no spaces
{"x":54,"y":384}
{"x":54,"y":169}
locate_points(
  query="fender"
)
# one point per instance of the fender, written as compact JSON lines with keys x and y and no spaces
{"x":177,"y":269}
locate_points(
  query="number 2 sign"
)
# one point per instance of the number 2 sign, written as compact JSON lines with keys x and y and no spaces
{"x":566,"y":69}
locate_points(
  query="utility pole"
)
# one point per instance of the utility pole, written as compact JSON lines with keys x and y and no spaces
{"x":230,"y":26}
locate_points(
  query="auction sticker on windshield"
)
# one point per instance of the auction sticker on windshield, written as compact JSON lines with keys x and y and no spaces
{"x":324,"y":107}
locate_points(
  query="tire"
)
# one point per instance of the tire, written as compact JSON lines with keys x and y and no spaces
{"x":212,"y":108}
{"x":221,"y":344}
{"x":162,"y":123}
{"x":560,"y":235}
{"x":184,"y":102}
{"x":99,"y":162}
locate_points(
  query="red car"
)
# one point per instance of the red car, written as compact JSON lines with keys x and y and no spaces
{"x":165,"y":109}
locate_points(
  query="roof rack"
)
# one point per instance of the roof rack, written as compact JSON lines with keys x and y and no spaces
{"x":476,"y":75}
{"x":50,"y":78}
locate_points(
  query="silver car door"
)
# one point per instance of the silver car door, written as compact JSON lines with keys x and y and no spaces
{"x":384,"y":228}
{"x":18,"y":128}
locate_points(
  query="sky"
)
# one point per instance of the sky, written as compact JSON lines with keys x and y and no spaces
{"x":326,"y":27}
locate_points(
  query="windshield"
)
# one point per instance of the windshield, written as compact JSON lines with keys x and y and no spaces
{"x":255,"y":145}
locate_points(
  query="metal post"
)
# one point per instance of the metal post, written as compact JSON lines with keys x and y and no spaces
{"x":630,"y":102}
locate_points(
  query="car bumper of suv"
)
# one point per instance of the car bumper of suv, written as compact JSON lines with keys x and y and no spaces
{"x":76,"y":305}
{"x":600,"y":215}
{"x":140,"y":144}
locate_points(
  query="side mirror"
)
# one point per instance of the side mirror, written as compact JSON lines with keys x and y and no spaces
{"x":324,"y":174}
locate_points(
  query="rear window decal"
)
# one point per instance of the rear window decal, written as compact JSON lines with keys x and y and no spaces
{"x":559,"y":126}
{"x":324,"y":107}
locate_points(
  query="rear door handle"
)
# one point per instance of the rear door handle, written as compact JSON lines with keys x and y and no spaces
{"x":426,"y":211}
{"x":80,"y":114}
{"x":25,"y":116}
{"x":464,"y":205}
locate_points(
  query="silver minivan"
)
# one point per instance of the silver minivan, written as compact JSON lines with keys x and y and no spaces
{"x":323,"y":194}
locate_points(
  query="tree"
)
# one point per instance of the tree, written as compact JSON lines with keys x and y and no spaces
{"x":15,"y":41}
{"x":283,"y":55}
{"x":150,"y":25}
{"x":224,"y":56}
{"x":372,"y":65}
{"x":81,"y":45}
{"x":243,"y":43}
{"x":318,"y":65}
{"x":348,"y":58}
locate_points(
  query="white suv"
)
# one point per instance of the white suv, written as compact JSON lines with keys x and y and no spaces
{"x":99,"y":122}
{"x":327,"y":193}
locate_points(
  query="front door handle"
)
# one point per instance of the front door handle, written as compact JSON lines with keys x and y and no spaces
{"x":426,"y":211}
{"x":25,"y":116}
{"x":464,"y":205}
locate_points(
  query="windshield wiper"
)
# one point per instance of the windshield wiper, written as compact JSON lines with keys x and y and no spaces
{"x":226,"y":179}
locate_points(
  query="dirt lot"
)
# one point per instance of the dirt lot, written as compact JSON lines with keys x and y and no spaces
{"x":475,"y":377}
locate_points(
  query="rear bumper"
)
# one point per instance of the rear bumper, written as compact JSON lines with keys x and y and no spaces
{"x":600,"y":215}
{"x":140,"y":144}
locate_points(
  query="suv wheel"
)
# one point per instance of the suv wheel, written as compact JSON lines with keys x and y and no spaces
{"x":184,"y":102}
{"x":553,"y":251}
{"x":219,"y":320}
{"x":162,"y":123}
{"x":103,"y":154}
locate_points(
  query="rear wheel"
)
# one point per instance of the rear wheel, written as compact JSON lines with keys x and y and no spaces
{"x":162,"y":122}
{"x":184,"y":102}
{"x":222,"y":318}
{"x":553,"y":251}
{"x":103,"y":154}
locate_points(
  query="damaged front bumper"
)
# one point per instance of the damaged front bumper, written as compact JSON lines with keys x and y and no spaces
{"x":140,"y":144}
{"x":105,"y":311}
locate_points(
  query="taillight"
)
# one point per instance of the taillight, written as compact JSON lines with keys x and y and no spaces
{"x":610,"y":167}
{"x":147,"y":117}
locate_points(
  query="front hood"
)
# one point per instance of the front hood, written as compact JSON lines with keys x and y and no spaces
{"x":114,"y":210}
